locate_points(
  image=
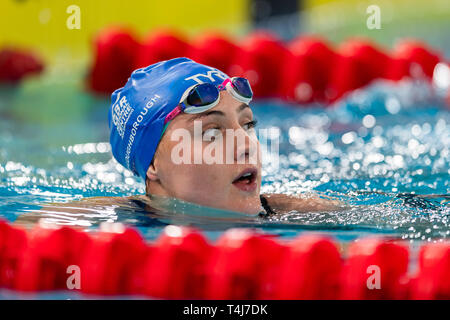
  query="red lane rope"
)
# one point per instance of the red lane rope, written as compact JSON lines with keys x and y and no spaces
{"x":305,"y":70}
{"x":241,"y":264}
{"x":17,"y":64}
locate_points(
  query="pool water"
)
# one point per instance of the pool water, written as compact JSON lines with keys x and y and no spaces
{"x":384,"y":150}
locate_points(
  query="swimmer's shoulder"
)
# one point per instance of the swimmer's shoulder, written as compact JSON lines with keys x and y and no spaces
{"x":284,"y":203}
{"x":112,"y":201}
{"x":83,"y":206}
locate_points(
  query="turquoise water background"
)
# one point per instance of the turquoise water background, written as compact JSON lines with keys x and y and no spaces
{"x":374,"y":150}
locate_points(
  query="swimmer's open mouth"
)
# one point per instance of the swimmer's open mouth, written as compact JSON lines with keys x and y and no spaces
{"x":246,"y":181}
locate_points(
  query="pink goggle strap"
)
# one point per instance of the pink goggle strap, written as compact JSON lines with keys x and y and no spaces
{"x":178,"y":109}
{"x":224,"y":84}
{"x":173,"y":114}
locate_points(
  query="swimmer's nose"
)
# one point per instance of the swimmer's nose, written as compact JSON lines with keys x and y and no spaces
{"x":246,"y":148}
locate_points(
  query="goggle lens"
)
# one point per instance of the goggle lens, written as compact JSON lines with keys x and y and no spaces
{"x":202,"y":95}
{"x":242,"y":87}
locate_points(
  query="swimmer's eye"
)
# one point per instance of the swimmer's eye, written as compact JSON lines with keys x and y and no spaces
{"x":250,"y":125}
{"x":211,"y":134}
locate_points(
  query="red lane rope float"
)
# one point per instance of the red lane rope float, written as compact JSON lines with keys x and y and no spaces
{"x":244,"y":265}
{"x":433,"y":278}
{"x":214,"y":49}
{"x":308,"y":70}
{"x":419,"y":55}
{"x":241,"y":264}
{"x":311,"y":270}
{"x":358,"y":63}
{"x":261,"y":61}
{"x":161,"y":45}
{"x":114,"y":59}
{"x":46,"y":256}
{"x":177,"y":267}
{"x":368,"y":257}
{"x":13,"y":242}
{"x":16,"y":64}
{"x":304,"y":70}
{"x":114,"y":263}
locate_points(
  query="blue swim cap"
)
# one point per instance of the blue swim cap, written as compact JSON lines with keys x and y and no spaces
{"x":138,"y":110}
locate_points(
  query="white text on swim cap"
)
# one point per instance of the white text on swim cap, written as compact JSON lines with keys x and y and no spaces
{"x":120,"y":115}
{"x":135,"y":126}
{"x":209,"y":75}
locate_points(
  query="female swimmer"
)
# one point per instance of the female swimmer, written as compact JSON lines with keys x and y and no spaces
{"x":188,"y":131}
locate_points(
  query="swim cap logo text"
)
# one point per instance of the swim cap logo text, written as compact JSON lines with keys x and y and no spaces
{"x":208,"y":75}
{"x":135,"y":127}
{"x":121,"y":114}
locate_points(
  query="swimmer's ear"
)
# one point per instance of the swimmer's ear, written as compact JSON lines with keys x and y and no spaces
{"x":152,"y":173}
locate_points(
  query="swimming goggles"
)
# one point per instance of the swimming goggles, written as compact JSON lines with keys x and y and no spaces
{"x":204,"y":96}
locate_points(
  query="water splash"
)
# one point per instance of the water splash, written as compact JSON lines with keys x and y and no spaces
{"x":376,"y":150}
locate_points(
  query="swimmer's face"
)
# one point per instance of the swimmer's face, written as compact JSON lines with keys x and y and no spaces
{"x":211,"y":158}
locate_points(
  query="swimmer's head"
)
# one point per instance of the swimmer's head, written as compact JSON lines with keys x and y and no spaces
{"x":187,"y":130}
